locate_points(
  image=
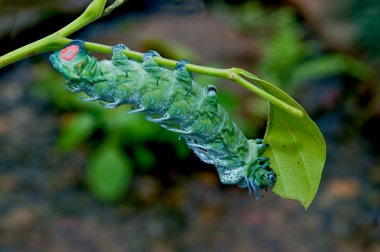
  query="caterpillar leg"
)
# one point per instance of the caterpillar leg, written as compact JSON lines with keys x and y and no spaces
{"x":72,"y":89}
{"x":113,"y":105}
{"x":182,"y":74}
{"x":261,"y":148}
{"x":181,"y":63}
{"x":252,"y":186}
{"x":263,"y":178}
{"x":263,"y":160}
{"x":203,"y":155}
{"x":89,"y":98}
{"x":258,"y":173}
{"x":158,"y":120}
{"x":259,"y":141}
{"x":199,"y":146}
{"x":119,"y":59}
{"x":261,"y":145}
{"x":185,"y":132}
{"x":211,"y":100}
{"x":140,"y":110}
{"x":265,"y":165}
{"x":149,"y":64}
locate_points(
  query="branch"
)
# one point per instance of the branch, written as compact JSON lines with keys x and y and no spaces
{"x":234,"y":74}
{"x":113,"y":6}
{"x":59,"y":39}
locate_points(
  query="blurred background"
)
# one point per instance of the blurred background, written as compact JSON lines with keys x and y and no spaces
{"x":77,"y":177}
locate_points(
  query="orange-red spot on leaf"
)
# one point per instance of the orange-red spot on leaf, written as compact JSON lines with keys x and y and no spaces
{"x":69,"y":52}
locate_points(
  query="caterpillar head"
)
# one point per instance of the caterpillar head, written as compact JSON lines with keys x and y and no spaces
{"x":71,"y":61}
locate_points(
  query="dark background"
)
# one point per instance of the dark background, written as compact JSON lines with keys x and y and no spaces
{"x":60,"y":190}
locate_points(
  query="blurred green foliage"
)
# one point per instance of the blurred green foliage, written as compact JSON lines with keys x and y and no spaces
{"x":365,"y":16}
{"x":109,"y":173}
{"x":290,"y":56}
{"x":76,"y":130}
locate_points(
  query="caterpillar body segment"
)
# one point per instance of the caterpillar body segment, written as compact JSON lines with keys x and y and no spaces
{"x":172,"y":99}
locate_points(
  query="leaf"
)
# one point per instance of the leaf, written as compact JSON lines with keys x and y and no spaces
{"x":76,"y":131}
{"x":297,"y":150}
{"x":144,"y":157}
{"x":109,"y":173}
{"x":328,"y":65}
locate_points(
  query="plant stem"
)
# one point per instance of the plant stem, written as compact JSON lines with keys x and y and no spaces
{"x":113,"y":6}
{"x":275,"y":101}
{"x":233,"y":74}
{"x":49,"y":43}
{"x":58,"y":39}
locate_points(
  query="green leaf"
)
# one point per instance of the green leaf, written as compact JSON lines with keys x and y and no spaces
{"x":328,"y":65}
{"x":144,"y":157}
{"x":297,"y":150}
{"x":109,"y":173}
{"x":76,"y":131}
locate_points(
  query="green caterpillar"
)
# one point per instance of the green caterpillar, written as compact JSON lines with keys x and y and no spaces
{"x":171,"y":98}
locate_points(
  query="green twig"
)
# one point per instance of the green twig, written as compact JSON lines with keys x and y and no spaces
{"x":113,"y":6}
{"x":234,"y":74}
{"x":58,"y":39}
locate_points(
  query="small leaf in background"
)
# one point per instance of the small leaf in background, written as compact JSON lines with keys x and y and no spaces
{"x":144,"y":157}
{"x":297,"y":150}
{"x":75,"y":131}
{"x":328,"y":65}
{"x":109,"y":173}
{"x":181,"y":150}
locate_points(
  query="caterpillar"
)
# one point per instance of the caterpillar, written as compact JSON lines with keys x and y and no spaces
{"x":172,"y":99}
